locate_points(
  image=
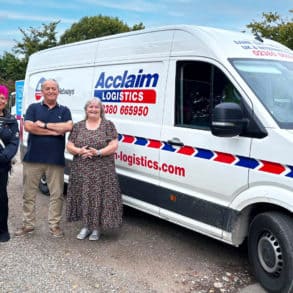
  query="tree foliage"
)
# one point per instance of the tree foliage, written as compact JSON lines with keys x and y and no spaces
{"x":36,"y":39}
{"x":96,"y":26}
{"x":272,"y":26}
{"x":11,"y":69}
{"x":13,"y":66}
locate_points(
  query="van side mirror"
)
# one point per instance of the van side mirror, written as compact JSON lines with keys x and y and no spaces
{"x":227,"y":120}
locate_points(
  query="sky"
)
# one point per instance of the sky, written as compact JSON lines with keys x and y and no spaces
{"x":227,"y":14}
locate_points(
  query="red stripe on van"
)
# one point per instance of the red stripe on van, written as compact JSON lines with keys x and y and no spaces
{"x":156,"y":144}
{"x":224,"y":158}
{"x":271,"y":167}
{"x":186,"y":150}
{"x":128,"y":138}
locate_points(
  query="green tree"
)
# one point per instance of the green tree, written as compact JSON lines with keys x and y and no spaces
{"x":36,"y":39}
{"x":272,"y":26}
{"x":12,"y":69}
{"x":96,"y":26}
{"x":13,"y":66}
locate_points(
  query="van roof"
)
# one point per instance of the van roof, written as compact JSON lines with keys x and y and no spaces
{"x":159,"y":43}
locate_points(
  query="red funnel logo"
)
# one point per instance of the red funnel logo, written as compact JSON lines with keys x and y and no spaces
{"x":38,"y":91}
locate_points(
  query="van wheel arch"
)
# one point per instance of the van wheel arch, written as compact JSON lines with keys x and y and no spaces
{"x":241,"y":223}
{"x":270,"y":250}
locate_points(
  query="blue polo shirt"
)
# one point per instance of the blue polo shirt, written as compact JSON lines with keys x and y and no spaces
{"x":48,"y":149}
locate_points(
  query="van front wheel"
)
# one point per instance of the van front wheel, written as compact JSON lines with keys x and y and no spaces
{"x":270,"y":250}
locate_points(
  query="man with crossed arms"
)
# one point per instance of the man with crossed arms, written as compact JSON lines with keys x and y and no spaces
{"x":47,"y":122}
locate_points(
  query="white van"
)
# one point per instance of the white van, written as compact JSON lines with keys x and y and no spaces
{"x":205,"y":122}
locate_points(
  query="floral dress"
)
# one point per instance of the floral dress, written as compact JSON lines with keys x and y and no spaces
{"x":93,"y":194}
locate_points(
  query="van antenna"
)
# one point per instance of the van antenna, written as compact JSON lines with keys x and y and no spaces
{"x":258,"y":37}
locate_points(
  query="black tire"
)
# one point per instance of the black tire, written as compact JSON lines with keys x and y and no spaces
{"x":270,"y":251}
{"x":43,"y":186}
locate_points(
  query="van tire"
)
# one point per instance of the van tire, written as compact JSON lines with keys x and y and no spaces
{"x":43,"y":187}
{"x":270,"y":251}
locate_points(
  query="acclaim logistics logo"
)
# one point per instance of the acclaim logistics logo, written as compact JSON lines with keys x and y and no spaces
{"x":38,"y":90}
{"x":127,"y":87}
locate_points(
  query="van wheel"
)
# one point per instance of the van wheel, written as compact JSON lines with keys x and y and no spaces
{"x":270,"y":251}
{"x":43,"y":186}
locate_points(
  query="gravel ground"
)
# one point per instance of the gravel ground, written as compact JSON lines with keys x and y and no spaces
{"x":146,"y":255}
{"x":42,"y":263}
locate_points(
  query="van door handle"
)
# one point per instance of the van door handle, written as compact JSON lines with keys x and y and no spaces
{"x":175,"y":141}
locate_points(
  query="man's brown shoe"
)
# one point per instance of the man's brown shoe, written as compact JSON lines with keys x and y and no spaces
{"x":56,"y":232}
{"x":24,"y":231}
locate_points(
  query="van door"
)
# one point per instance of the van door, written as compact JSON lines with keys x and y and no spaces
{"x":200,"y":173}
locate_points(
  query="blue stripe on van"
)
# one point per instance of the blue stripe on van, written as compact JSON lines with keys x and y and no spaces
{"x":247,"y":162}
{"x":290,"y":174}
{"x":204,"y":154}
{"x":141,"y":141}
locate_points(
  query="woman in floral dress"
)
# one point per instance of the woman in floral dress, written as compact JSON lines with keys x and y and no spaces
{"x":93,"y":194}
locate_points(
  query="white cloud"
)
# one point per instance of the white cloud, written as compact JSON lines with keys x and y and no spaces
{"x":20,"y":16}
{"x":44,"y":4}
{"x":176,"y":14}
{"x":134,"y":5}
{"x":16,"y":2}
{"x":6,"y":45}
{"x":9,"y":32}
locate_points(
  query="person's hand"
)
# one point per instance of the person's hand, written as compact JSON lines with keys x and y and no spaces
{"x":93,"y":151}
{"x":40,"y":124}
{"x":55,"y":133}
{"x":85,"y":152}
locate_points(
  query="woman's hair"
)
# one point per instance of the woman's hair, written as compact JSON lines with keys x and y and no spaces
{"x":98,"y":101}
{"x":4,"y":91}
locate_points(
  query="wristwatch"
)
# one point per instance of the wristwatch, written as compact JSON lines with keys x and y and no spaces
{"x":99,"y":154}
{"x":45,"y":126}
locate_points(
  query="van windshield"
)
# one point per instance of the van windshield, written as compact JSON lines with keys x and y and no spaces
{"x":272,"y":82}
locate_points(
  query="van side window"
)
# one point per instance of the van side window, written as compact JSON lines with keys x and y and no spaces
{"x":199,"y":87}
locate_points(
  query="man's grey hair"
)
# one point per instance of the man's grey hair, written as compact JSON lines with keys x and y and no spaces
{"x":50,"y":79}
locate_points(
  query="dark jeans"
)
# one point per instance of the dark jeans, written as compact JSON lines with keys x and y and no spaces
{"x":3,"y":202}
